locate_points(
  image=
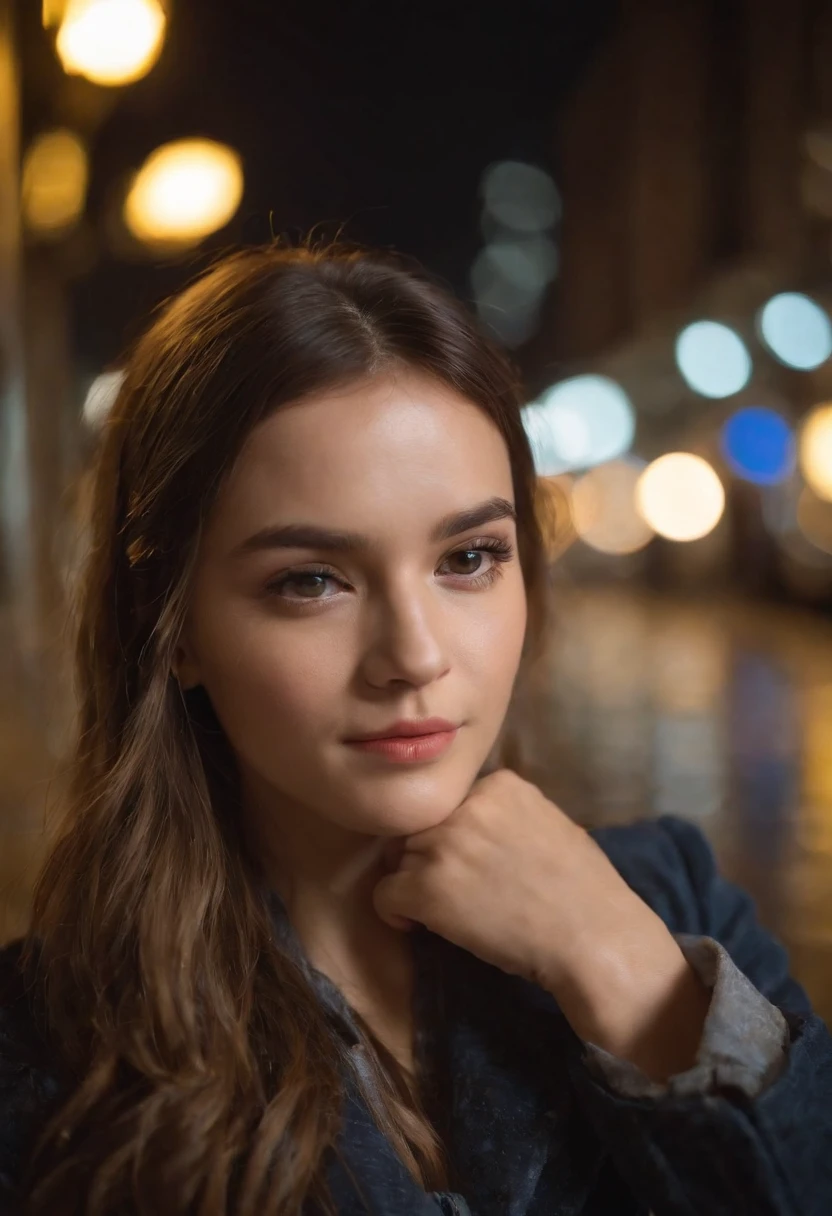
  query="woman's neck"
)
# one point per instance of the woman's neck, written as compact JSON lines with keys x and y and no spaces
{"x":325,"y":876}
{"x":371,"y":963}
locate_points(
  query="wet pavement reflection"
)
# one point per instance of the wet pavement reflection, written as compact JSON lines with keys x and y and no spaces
{"x":719,"y":712}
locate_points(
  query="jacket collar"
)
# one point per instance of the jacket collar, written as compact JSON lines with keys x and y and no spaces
{"x":502,"y":1052}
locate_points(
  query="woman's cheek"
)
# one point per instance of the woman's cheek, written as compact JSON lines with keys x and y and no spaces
{"x":495,"y":646}
{"x":291,"y":680}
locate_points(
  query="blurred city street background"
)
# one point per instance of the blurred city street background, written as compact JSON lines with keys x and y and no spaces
{"x":635,"y":197}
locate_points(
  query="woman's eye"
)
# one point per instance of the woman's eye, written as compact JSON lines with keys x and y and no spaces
{"x":488,"y":556}
{"x":466,"y":557}
{"x":304,"y":580}
{"x":480,"y":565}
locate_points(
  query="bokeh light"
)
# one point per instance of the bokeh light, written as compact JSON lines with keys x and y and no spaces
{"x":680,"y":496}
{"x":520,"y":196}
{"x":759,"y":446}
{"x":603,"y":505}
{"x":54,"y":182}
{"x":816,"y":451}
{"x":713,"y":359}
{"x":52,"y":12}
{"x":100,"y":397}
{"x":796,"y":330}
{"x":526,"y":263}
{"x":578,"y":423}
{"x":184,"y":191}
{"x":509,"y":277}
{"x":111,"y":42}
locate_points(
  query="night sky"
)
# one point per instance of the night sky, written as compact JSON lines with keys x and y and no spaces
{"x":375,"y":120}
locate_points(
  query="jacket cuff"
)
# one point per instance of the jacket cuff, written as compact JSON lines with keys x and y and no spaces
{"x":744,"y":1042}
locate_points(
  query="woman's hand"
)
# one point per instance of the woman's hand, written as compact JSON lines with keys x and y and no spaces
{"x":510,"y":878}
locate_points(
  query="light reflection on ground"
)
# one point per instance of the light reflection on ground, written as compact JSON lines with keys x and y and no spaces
{"x":720,"y":712}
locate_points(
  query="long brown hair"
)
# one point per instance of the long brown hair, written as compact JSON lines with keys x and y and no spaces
{"x":199,"y":1056}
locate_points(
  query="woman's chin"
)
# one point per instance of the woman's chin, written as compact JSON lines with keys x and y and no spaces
{"x":411,"y":811}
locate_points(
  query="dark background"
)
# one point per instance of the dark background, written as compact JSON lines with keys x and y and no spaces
{"x":371,"y":120}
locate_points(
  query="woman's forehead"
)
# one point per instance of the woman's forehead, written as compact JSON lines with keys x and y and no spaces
{"x":357,"y":455}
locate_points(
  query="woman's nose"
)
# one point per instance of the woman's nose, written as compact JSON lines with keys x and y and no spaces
{"x":407,"y":643}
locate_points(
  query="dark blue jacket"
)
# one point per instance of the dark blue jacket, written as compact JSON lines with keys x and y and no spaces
{"x":531,"y":1129}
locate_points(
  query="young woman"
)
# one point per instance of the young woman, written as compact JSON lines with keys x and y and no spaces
{"x":306,"y":942}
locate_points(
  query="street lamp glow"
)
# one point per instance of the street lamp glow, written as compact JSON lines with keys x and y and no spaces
{"x":111,"y":42}
{"x":184,"y":191}
{"x":603,"y":508}
{"x":54,"y":182}
{"x":816,"y":451}
{"x":680,"y":496}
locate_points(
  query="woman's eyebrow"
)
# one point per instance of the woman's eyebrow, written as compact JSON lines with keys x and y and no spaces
{"x":312,"y":536}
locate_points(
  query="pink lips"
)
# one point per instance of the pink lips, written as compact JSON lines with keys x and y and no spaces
{"x":408,"y":749}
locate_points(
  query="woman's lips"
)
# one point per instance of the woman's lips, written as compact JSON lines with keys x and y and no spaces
{"x":408,"y":749}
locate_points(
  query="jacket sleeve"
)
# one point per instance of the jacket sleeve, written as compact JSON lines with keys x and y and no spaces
{"x":725,"y":1141}
{"x":744,"y":1042}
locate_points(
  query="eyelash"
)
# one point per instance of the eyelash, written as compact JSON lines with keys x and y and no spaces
{"x":500,"y":550}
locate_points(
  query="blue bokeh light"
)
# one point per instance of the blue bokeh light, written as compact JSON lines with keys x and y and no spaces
{"x":759,"y":445}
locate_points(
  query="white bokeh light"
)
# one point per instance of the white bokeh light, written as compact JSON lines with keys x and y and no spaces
{"x":796,"y":330}
{"x":100,"y":397}
{"x":713,"y":359}
{"x":520,"y":196}
{"x":579,"y":423}
{"x":508,"y":278}
{"x":527,"y":264}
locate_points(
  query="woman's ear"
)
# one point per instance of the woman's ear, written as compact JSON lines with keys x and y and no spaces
{"x":185,"y":667}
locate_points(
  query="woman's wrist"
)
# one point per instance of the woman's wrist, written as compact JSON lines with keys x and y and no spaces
{"x":652,"y":1016}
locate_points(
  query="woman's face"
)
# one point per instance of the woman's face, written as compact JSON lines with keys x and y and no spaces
{"x":301,"y":646}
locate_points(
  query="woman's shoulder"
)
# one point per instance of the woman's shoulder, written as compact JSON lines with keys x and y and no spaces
{"x":670,"y":863}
